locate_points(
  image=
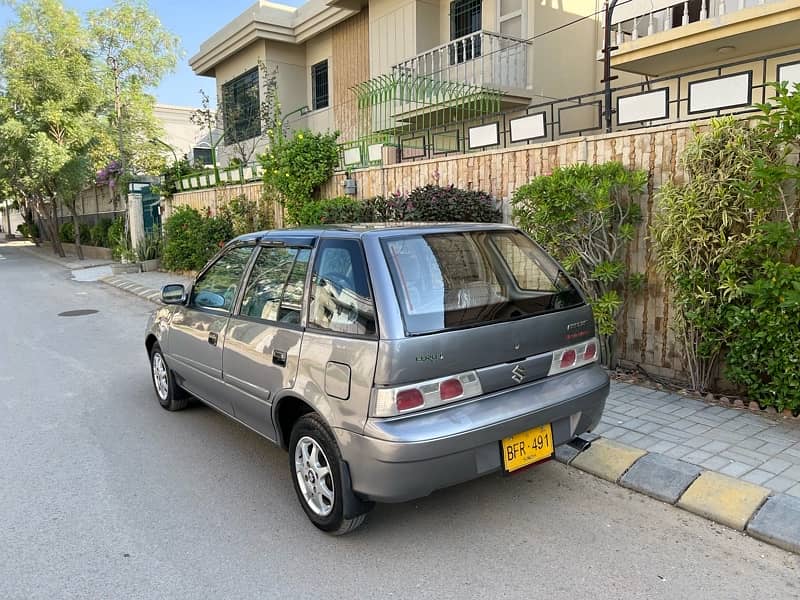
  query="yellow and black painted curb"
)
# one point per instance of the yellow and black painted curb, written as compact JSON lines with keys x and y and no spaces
{"x":738,"y":504}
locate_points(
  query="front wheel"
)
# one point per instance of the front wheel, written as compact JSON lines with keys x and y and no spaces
{"x":169,"y":395}
{"x":316,"y":467}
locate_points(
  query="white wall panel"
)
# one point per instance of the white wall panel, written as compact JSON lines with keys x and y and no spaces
{"x":722,"y":92}
{"x":649,"y":106}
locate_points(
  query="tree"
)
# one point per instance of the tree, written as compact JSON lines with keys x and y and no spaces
{"x":48,"y":111}
{"x":133,"y":52}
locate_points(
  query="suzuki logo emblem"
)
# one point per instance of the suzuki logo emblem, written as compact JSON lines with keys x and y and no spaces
{"x":518,"y":373}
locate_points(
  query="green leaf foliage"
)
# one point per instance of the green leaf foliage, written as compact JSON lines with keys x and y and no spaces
{"x":332,"y":210}
{"x":764,"y":337}
{"x":246,"y":215}
{"x":295,"y":167}
{"x":99,"y":233}
{"x":66,"y":233}
{"x":712,"y":233}
{"x":191,"y":239}
{"x":430,"y":203}
{"x":585,"y":216}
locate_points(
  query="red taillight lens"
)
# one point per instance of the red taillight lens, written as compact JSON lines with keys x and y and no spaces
{"x":408,"y":399}
{"x":450,"y":389}
{"x":590,"y":352}
{"x":568,"y":358}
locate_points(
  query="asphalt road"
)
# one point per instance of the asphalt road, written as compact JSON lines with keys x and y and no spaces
{"x":105,"y":495}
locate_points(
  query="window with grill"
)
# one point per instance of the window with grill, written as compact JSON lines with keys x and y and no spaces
{"x":465,"y":18}
{"x":241,"y":110}
{"x":202,"y":155}
{"x":319,"y":85}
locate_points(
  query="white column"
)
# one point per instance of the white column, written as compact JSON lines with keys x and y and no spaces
{"x":685,"y":19}
{"x":135,"y":219}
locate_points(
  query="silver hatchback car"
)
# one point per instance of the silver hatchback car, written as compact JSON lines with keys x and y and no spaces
{"x":389,"y":360}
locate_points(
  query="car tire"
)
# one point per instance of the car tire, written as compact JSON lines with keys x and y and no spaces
{"x":315,"y":464}
{"x":169,"y":395}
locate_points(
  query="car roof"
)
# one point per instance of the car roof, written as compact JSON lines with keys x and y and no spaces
{"x":368,"y":229}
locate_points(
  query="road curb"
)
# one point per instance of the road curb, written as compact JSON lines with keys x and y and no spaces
{"x":755,"y":510}
{"x":126,"y":285}
{"x":64,"y":264}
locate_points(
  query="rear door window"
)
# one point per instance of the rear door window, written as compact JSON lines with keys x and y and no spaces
{"x":341,"y":301}
{"x":453,"y":280}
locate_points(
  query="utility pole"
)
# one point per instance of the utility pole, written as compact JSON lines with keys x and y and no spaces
{"x":608,"y":8}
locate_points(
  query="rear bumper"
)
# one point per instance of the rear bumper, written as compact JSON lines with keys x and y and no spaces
{"x":410,"y":457}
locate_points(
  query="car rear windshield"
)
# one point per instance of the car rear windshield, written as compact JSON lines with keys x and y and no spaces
{"x":462,"y":279}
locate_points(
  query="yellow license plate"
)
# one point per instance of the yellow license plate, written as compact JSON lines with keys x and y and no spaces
{"x":528,"y":447}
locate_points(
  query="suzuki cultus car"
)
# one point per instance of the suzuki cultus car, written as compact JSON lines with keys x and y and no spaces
{"x":390,"y":361}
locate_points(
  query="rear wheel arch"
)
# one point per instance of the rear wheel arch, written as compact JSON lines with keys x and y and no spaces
{"x":288,"y":411}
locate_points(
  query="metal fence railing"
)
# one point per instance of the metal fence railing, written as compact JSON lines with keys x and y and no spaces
{"x":733,"y":88}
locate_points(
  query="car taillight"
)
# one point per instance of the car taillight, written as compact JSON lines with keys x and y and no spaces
{"x":450,"y":389}
{"x":408,"y":399}
{"x":574,"y":356}
{"x":427,"y":394}
{"x":568,"y":358}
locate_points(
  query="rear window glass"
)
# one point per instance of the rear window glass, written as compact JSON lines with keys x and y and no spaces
{"x":453,"y":280}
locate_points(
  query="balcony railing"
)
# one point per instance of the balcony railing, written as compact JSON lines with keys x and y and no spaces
{"x":642,"y":18}
{"x":483,"y":58}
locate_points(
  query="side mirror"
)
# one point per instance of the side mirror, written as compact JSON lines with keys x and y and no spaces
{"x":174,"y":293}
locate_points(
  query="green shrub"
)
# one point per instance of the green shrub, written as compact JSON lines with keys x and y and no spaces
{"x":99,"y":233}
{"x":295,"y":167}
{"x":386,"y":209}
{"x":191,"y":239}
{"x":764,"y":337}
{"x":30,"y":231}
{"x":119,"y":241}
{"x":709,"y":234}
{"x":246,"y":216}
{"x":333,"y":210}
{"x":437,"y":203}
{"x":585,"y":216}
{"x":66,"y":233}
{"x":150,"y":246}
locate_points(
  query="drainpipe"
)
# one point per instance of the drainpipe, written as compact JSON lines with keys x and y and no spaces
{"x":608,"y":8}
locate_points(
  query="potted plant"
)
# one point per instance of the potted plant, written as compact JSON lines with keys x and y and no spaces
{"x":148,"y":252}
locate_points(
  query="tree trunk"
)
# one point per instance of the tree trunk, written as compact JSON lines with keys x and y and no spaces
{"x":49,"y":223}
{"x":76,"y":226}
{"x":27,"y":216}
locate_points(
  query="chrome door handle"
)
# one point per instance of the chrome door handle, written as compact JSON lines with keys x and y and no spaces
{"x":212,"y":338}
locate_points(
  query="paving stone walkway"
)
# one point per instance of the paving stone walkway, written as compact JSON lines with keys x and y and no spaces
{"x":731,"y":441}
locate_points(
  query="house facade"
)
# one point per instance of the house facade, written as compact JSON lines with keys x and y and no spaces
{"x":182,"y":137}
{"x":412,"y":79}
{"x":375,"y":69}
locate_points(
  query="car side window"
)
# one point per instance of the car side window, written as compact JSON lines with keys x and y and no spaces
{"x":341,"y":301}
{"x":277,"y":281}
{"x":217,"y":287}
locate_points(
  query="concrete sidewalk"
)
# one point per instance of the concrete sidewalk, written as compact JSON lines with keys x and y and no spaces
{"x":736,"y":442}
{"x":731,"y":465}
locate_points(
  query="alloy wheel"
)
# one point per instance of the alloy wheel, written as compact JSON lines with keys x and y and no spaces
{"x":314,"y":476}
